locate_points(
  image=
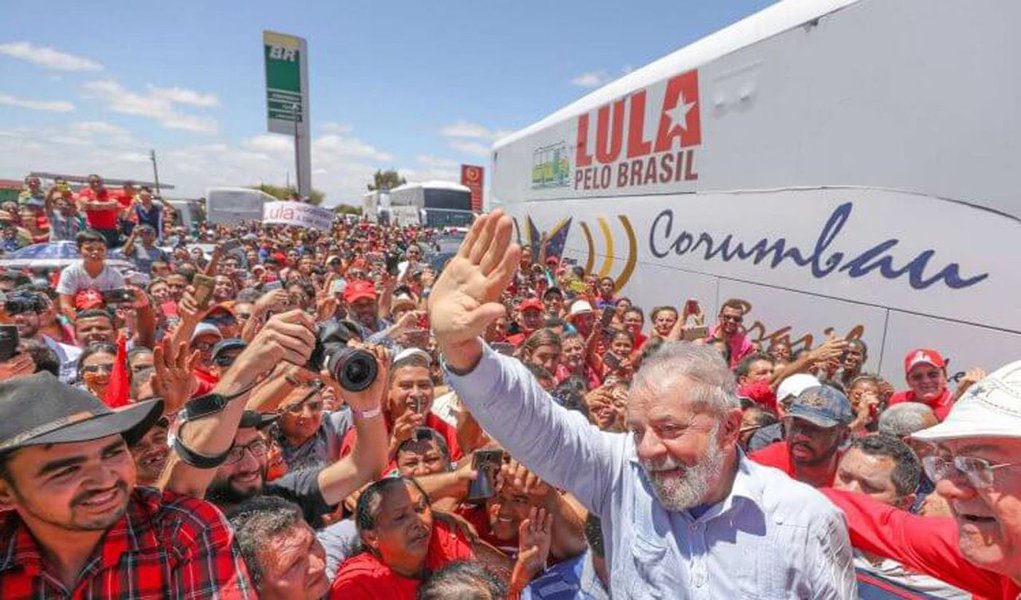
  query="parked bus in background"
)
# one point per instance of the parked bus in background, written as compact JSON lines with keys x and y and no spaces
{"x":848,"y":167}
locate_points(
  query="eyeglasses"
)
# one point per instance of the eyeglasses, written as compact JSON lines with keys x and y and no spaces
{"x":97,"y":368}
{"x":978,"y":471}
{"x":732,"y":318}
{"x":259,"y":448}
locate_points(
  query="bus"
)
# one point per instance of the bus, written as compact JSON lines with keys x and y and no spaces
{"x":847,"y":167}
{"x":232,"y":205}
{"x":434,"y":204}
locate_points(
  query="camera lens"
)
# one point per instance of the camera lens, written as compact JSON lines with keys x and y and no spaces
{"x":355,"y":370}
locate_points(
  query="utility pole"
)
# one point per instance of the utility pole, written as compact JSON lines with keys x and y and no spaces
{"x":297,"y":157}
{"x":155,"y":171}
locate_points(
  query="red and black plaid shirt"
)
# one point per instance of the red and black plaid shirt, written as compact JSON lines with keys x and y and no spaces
{"x":165,"y":546}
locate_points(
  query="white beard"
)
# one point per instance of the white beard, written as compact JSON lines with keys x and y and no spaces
{"x":681,"y":492}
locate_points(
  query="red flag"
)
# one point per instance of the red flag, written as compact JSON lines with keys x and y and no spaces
{"x":118,"y":390}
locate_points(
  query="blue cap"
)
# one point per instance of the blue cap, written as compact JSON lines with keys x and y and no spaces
{"x":823,"y":406}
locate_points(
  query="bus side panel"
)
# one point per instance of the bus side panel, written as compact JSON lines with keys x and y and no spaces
{"x":965,"y":346}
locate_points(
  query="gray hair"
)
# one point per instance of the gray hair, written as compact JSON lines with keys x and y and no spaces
{"x":905,"y":418}
{"x":256,"y":522}
{"x":714,"y":389}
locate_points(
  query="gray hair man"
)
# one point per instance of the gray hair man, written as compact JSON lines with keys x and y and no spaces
{"x":975,"y":465}
{"x":681,"y":506}
{"x":903,"y":419}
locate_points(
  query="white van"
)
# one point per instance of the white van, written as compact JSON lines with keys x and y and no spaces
{"x":846,"y":166}
{"x":231,"y":205}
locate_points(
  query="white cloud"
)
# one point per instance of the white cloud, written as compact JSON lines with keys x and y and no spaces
{"x":49,"y":58}
{"x":46,"y":105}
{"x":185,"y":96}
{"x":473,"y":148}
{"x":591,"y":79}
{"x":474,"y":131}
{"x":99,"y":128}
{"x":156,"y":104}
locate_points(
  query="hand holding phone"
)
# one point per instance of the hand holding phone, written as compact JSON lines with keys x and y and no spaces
{"x":118,"y":296}
{"x":607,"y":316}
{"x":203,"y":285}
{"x":487,"y":464}
{"x":8,"y":341}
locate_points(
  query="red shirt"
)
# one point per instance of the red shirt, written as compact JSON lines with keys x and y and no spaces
{"x":364,"y":576}
{"x":99,"y":219}
{"x":449,"y":435}
{"x":778,"y":455}
{"x":165,"y":546}
{"x":926,"y":544}
{"x":941,"y":405}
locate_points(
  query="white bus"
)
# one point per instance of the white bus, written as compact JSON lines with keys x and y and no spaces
{"x":846,"y":166}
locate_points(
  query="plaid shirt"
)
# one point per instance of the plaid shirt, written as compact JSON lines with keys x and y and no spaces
{"x":165,"y":546}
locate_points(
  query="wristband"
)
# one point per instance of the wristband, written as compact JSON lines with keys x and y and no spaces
{"x":368,"y":414}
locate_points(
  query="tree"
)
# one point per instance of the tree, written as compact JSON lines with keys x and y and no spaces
{"x":388,"y":179}
{"x":347,"y":209}
{"x":282,"y":193}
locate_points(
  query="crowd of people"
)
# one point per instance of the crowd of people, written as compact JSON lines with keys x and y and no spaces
{"x":202,"y":427}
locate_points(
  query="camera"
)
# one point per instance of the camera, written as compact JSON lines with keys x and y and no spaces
{"x":353,"y":368}
{"x":18,"y":303}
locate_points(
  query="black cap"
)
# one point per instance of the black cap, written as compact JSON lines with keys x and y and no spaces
{"x":258,"y":420}
{"x":39,"y":409}
{"x":228,"y":344}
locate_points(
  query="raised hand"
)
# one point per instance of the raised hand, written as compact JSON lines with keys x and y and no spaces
{"x":535,"y":535}
{"x":466,"y":296}
{"x":287,"y":337}
{"x":174,"y":380}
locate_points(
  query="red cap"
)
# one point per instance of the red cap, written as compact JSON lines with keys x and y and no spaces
{"x":531,"y":303}
{"x":923,"y":356}
{"x":358,"y":289}
{"x":86,"y":299}
{"x":278,"y":257}
{"x":760,"y":393}
{"x":552,"y":260}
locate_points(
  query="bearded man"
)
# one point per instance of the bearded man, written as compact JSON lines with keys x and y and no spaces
{"x":738,"y":529}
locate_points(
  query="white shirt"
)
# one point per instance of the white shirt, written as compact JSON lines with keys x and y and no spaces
{"x":770,"y":538}
{"x":74,"y":278}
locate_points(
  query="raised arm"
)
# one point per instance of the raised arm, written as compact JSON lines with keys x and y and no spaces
{"x":562,"y":448}
{"x":287,"y":337}
{"x":926,"y":544}
{"x":368,"y":457}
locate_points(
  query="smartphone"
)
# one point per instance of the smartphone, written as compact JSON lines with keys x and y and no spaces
{"x":338,"y":287}
{"x":392,"y":263}
{"x":486,"y":463}
{"x":416,"y":403}
{"x":423,"y":434}
{"x":117,"y":296}
{"x":8,"y":341}
{"x":418,"y":338}
{"x":203,"y":285}
{"x":503,"y":348}
{"x":611,"y":360}
{"x":607,"y":317}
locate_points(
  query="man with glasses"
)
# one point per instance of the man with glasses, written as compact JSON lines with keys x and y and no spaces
{"x":729,"y":330}
{"x":975,"y":464}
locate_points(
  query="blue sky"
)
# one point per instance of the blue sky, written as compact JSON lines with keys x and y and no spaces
{"x":418,"y":86}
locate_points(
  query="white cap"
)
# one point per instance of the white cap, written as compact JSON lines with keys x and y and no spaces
{"x":794,"y":385}
{"x":580,"y":307}
{"x":409,"y":352}
{"x":991,"y":408}
{"x":203,"y":329}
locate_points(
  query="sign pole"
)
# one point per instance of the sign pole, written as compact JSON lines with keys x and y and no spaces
{"x":287,"y":107}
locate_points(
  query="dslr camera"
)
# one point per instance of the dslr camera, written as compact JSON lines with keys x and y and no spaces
{"x":353,"y":368}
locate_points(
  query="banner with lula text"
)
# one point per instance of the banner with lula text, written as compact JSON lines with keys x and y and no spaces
{"x":297,"y":214}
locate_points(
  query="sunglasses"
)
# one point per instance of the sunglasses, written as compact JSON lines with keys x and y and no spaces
{"x":97,"y":368}
{"x":732,"y":318}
